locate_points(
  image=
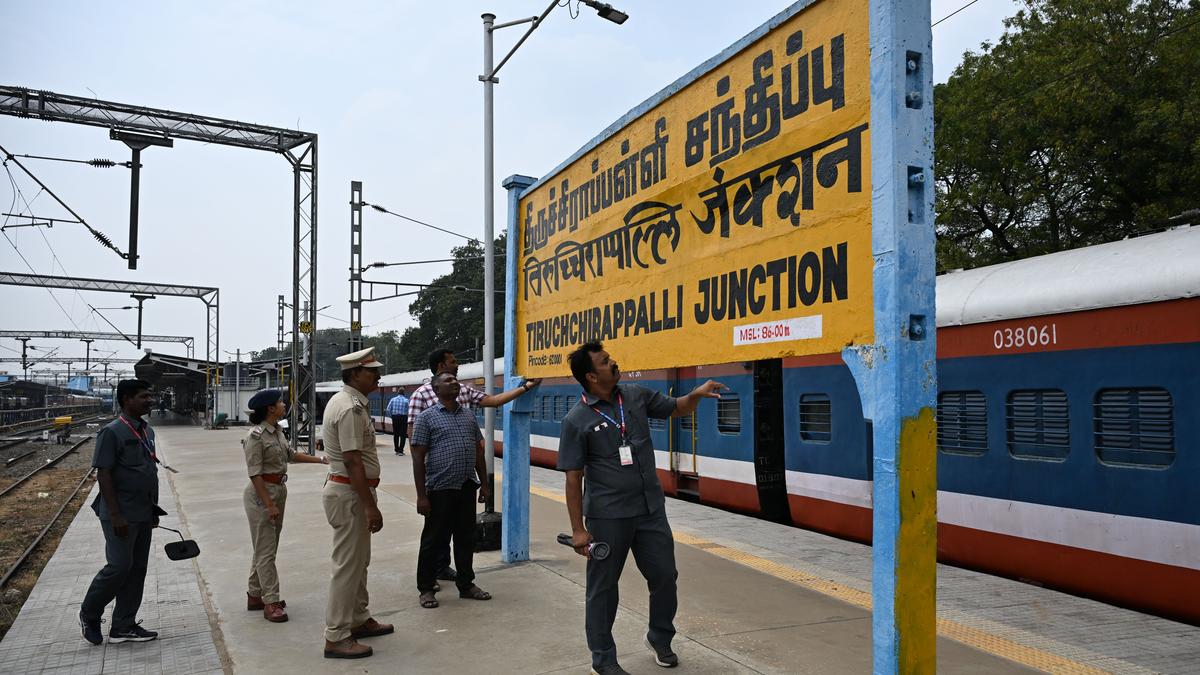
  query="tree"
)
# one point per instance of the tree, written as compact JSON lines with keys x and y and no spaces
{"x":452,"y":318}
{"x":1080,"y":126}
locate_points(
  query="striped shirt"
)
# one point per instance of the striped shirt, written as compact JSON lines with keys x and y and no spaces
{"x":450,"y":438}
{"x":398,"y":405}
{"x":424,"y":398}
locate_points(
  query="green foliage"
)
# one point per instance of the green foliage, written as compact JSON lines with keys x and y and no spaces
{"x":451,"y":318}
{"x":1080,"y":126}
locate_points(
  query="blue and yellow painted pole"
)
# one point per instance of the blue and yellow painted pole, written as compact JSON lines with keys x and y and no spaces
{"x":897,"y":376}
{"x":514,"y":533}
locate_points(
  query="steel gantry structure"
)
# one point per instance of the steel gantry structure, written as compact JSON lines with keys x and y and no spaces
{"x":298,"y":147}
{"x":87,"y":336}
{"x":211,"y":297}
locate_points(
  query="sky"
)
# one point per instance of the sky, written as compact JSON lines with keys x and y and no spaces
{"x":392,"y":90}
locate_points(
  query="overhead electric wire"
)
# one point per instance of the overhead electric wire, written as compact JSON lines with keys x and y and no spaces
{"x":53,"y":254}
{"x":935,"y":23}
{"x":31,"y":269}
{"x":97,"y":234}
{"x":420,"y":222}
{"x":376,"y":265}
{"x":114,"y":326}
{"x":99,"y":163}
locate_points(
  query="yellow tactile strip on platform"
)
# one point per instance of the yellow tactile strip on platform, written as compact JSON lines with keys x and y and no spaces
{"x":981,"y":640}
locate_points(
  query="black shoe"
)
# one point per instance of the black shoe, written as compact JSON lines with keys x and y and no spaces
{"x":448,"y":574}
{"x":91,"y":631}
{"x":610,"y":669}
{"x":134,"y":633}
{"x":663,"y":656}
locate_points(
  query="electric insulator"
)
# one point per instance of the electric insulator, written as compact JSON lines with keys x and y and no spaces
{"x":102,"y":163}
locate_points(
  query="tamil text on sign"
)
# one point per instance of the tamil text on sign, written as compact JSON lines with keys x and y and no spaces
{"x":729,"y":221}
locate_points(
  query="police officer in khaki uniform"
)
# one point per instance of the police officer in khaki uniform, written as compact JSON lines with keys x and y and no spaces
{"x":267,"y":456}
{"x":350,"y":507}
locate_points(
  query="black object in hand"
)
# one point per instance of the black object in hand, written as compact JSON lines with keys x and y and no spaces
{"x":598,"y":549}
{"x":182,"y":549}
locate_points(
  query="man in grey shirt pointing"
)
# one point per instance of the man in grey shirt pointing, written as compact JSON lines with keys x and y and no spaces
{"x":605,"y":440}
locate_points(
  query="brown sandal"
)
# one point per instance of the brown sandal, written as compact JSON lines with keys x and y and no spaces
{"x":475,"y":593}
{"x":429,"y":600}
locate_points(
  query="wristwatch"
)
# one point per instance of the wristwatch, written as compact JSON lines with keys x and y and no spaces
{"x":525,"y":385}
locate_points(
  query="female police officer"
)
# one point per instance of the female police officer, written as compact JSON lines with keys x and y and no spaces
{"x":267,"y":457}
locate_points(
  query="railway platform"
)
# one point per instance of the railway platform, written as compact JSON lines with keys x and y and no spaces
{"x":754,"y":596}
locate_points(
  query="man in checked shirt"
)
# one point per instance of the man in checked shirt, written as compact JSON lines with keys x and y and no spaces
{"x":443,"y":361}
{"x":448,"y":468}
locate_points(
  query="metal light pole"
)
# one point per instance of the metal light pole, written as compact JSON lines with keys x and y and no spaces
{"x":490,"y":519}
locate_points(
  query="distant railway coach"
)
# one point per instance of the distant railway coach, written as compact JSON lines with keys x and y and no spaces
{"x":1068,"y":441}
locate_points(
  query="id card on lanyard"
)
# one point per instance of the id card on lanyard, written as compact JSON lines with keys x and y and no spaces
{"x":624,"y":450}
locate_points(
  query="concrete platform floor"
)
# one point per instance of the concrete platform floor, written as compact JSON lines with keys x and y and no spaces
{"x":745,"y":606}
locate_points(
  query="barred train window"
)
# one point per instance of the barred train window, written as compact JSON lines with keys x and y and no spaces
{"x":548,"y":408}
{"x":1037,"y":422}
{"x":657,"y":424}
{"x":816,"y":417}
{"x":1135,"y":427}
{"x":729,"y":414}
{"x":962,"y":422}
{"x":570,"y":404}
{"x":561,"y":407}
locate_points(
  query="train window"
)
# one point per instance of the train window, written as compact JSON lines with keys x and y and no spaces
{"x":570,"y":404}
{"x":962,"y":422}
{"x":1135,"y":427}
{"x":1037,"y":423}
{"x":657,"y":424}
{"x":729,"y":414}
{"x":547,"y":408}
{"x":816,"y":417}
{"x":560,"y":408}
{"x":688,"y":422}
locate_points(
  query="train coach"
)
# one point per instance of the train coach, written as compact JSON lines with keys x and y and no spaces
{"x":1068,"y":443}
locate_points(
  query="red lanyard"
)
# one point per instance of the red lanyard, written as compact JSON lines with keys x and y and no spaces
{"x":143,"y":440}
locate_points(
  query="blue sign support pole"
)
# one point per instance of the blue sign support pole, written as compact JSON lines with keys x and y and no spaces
{"x":514,"y":533}
{"x":897,"y":376}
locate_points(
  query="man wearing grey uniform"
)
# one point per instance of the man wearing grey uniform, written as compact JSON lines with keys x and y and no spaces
{"x":605,"y":440}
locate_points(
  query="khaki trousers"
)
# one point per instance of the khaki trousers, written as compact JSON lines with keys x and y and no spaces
{"x":264,"y":539}
{"x":351,"y":555}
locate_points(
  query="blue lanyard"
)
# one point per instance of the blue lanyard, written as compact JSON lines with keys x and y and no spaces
{"x":621,"y":410}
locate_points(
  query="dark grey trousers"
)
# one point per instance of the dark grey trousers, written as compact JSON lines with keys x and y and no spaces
{"x":650,"y":539}
{"x":121,"y":578}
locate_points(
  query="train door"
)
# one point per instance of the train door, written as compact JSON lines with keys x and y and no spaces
{"x":683,"y":442}
{"x":769,"y":468}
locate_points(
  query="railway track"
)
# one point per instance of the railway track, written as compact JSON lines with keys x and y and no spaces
{"x":41,"y":426}
{"x":32,"y":434}
{"x":17,"y":483}
{"x":32,"y":505}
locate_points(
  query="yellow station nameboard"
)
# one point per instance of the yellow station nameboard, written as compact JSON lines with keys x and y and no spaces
{"x":729,"y":222}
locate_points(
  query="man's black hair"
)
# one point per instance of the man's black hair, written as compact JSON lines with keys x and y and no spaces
{"x":127,"y":388}
{"x":436,"y":357}
{"x":581,"y":361}
{"x":349,"y":373}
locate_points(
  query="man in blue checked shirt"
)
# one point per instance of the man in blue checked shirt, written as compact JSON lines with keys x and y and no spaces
{"x":448,"y":468}
{"x":397,"y":409}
